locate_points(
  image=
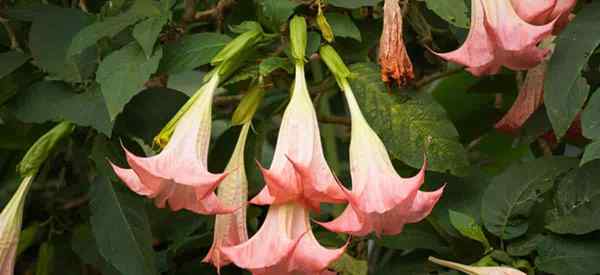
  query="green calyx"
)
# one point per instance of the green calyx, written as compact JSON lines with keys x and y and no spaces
{"x":298,"y":34}
{"x":249,"y":104}
{"x":41,"y":149}
{"x":335,"y":64}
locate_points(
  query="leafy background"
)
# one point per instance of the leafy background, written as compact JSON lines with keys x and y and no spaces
{"x":120,"y":69}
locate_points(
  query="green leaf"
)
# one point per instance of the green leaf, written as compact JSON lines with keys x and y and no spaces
{"x":524,"y":247}
{"x":121,"y":229}
{"x":468,"y":227}
{"x":110,"y":27}
{"x":122,"y":75}
{"x":28,"y":237}
{"x":455,"y":12}
{"x":49,"y":41}
{"x":592,"y":152}
{"x":416,"y":236}
{"x":146,"y":33}
{"x":353,"y":4}
{"x":275,"y":13}
{"x":577,"y":201}
{"x":343,"y":26}
{"x":11,"y":61}
{"x":565,"y":91}
{"x":411,"y":125}
{"x":84,"y":245}
{"x":192,"y":51}
{"x":508,"y":201}
{"x":45,"y":260}
{"x":348,"y":265}
{"x":54,"y":101}
{"x":590,"y":118}
{"x":562,"y":256}
{"x":270,"y":64}
{"x":188,"y":82}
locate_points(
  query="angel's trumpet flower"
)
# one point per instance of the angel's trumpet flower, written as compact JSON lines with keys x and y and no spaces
{"x":179,"y":174}
{"x":299,"y":171}
{"x":393,"y":58}
{"x":478,"y":270}
{"x":545,"y":11}
{"x":284,"y":245}
{"x":230,"y":229}
{"x":500,"y":37}
{"x":10,"y":227}
{"x":380,"y":201}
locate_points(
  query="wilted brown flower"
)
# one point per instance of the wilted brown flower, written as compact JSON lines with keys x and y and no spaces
{"x":393,"y":58}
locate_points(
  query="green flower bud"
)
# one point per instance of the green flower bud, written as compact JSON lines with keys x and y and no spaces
{"x":335,"y":63}
{"x":39,"y":152}
{"x":249,"y":104}
{"x":324,"y":26}
{"x":298,"y":38}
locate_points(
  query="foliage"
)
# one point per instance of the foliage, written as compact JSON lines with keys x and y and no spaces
{"x":120,"y":70}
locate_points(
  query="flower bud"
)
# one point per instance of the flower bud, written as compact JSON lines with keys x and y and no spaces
{"x":298,"y":38}
{"x":248,"y":106}
{"x":39,"y":152}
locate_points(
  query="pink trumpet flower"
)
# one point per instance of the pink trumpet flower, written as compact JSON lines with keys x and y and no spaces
{"x":380,"y":201}
{"x":179,"y":174}
{"x":500,"y":37}
{"x":299,"y":172}
{"x":478,"y":270}
{"x":541,"y":12}
{"x":230,"y":229}
{"x":10,"y":227}
{"x":284,"y":245}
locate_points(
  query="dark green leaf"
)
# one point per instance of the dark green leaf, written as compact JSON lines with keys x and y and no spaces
{"x":342,"y":26}
{"x":123,"y":74}
{"x":577,"y":201}
{"x":49,"y":40}
{"x":11,"y":61}
{"x":55,"y":101}
{"x":565,"y":91}
{"x":410,"y":126}
{"x":270,"y":64}
{"x":188,"y":82}
{"x":590,"y":118}
{"x":192,"y":51}
{"x":563,"y":256}
{"x":146,"y":33}
{"x":348,"y":265}
{"x":121,"y":229}
{"x":275,"y":13}
{"x":508,"y":201}
{"x":524,"y":247}
{"x":416,"y":236}
{"x":45,"y":260}
{"x":84,"y":245}
{"x":28,"y":237}
{"x":353,"y":4}
{"x":592,"y":152}
{"x":468,"y":227}
{"x":455,"y":12}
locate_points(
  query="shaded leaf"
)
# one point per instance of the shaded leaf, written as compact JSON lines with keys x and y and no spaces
{"x":270,"y":64}
{"x":577,"y":201}
{"x":590,"y":118}
{"x":54,"y":101}
{"x":416,"y":236}
{"x":468,"y":227}
{"x":455,"y":12}
{"x":10,"y":61}
{"x":45,"y":260}
{"x":410,"y":126}
{"x":348,"y":265}
{"x":562,"y":256}
{"x":121,"y":229}
{"x":192,"y":51}
{"x":525,"y":246}
{"x":275,"y":13}
{"x":353,"y":4}
{"x":146,"y":33}
{"x":565,"y":91}
{"x":342,"y":26}
{"x":123,"y":74}
{"x":592,"y":152}
{"x":84,"y":245}
{"x":508,"y":201}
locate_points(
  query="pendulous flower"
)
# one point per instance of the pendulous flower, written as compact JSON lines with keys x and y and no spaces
{"x":500,"y":37}
{"x":478,"y":270}
{"x":393,"y":58}
{"x":284,"y":244}
{"x":543,"y":12}
{"x":380,"y":201}
{"x":299,"y":172}
{"x":179,"y":175}
{"x":10,"y":227}
{"x":230,"y":229}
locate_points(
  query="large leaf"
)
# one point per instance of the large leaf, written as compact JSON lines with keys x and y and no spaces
{"x":10,"y":61}
{"x":275,"y":13}
{"x":49,"y":40}
{"x":55,"y":101}
{"x":84,"y":244}
{"x":348,"y":265}
{"x":122,"y":75}
{"x":577,"y":201}
{"x":121,"y":229}
{"x":416,"y":236}
{"x":590,"y":118}
{"x":453,"y":11}
{"x":508,"y":201}
{"x":353,"y":4}
{"x":146,"y":33}
{"x":342,"y":26}
{"x":411,"y":126}
{"x":192,"y":51}
{"x":592,"y":152}
{"x":563,"y":256}
{"x":565,"y":90}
